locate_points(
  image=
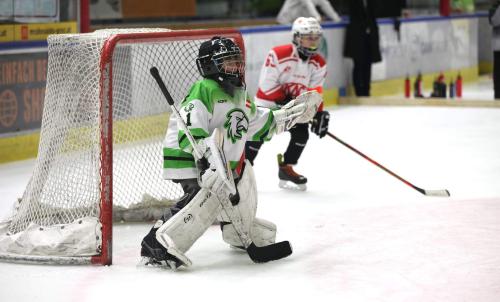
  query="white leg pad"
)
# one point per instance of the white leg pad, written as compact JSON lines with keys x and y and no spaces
{"x":181,"y":231}
{"x":261,"y":232}
{"x":247,"y":206}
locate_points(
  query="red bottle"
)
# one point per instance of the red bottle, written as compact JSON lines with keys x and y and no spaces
{"x":458,"y":86}
{"x":407,"y":87}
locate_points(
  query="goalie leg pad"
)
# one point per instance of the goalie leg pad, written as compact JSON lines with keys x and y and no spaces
{"x":247,"y":205}
{"x":261,"y":232}
{"x":181,"y":231}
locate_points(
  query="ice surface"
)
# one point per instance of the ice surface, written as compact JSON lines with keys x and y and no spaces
{"x":358,"y":233}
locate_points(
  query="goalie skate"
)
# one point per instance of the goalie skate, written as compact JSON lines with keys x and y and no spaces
{"x":155,"y":254}
{"x":289,"y":179}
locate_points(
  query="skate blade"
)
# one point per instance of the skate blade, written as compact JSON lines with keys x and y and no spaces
{"x":147,"y":261}
{"x":150,"y":262}
{"x":288,"y":185}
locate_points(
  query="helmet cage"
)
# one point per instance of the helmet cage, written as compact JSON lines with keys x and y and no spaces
{"x":305,"y":31}
{"x":230,"y":63}
{"x":225,"y":60}
{"x":298,"y":40}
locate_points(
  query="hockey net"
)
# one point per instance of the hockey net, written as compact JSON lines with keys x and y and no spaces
{"x":100,"y":153}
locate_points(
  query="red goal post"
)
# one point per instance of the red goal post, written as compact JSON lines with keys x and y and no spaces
{"x":99,"y":156}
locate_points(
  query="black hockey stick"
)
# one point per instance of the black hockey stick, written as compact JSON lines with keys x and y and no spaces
{"x":257,"y":254}
{"x":440,"y":193}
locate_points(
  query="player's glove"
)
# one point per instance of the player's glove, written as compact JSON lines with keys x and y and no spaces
{"x":319,"y":124}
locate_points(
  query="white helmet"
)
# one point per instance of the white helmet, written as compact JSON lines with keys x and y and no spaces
{"x":307,"y":35}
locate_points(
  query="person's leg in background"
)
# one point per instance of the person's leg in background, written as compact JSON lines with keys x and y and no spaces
{"x":496,"y":73}
{"x":361,"y":73}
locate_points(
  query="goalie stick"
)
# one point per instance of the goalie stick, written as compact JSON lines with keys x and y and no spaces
{"x":439,"y":193}
{"x":257,"y":254}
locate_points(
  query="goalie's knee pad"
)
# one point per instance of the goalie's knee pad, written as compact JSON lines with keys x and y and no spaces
{"x":262,"y":233}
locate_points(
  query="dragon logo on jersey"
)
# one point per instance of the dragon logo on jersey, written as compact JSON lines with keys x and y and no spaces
{"x":236,"y":124}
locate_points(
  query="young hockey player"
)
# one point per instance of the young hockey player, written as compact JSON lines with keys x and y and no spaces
{"x":288,"y":71}
{"x":220,"y":117}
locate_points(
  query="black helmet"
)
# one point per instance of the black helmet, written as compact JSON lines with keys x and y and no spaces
{"x":220,"y":59}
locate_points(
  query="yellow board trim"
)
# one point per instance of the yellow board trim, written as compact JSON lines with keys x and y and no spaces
{"x":24,"y":146}
{"x":19,"y":147}
{"x":485,"y":67}
{"x":7,"y":33}
{"x":330,"y":97}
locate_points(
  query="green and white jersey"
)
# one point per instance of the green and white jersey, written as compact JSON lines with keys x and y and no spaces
{"x":206,"y":108}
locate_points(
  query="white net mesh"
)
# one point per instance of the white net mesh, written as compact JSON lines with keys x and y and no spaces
{"x":66,"y":182}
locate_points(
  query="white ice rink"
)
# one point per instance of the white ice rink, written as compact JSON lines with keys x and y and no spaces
{"x":358,"y":233}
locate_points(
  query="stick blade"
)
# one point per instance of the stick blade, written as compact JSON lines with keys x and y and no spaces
{"x":437,"y":193}
{"x":270,"y":252}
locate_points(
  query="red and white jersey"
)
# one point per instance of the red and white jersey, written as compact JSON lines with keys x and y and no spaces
{"x":285,"y":75}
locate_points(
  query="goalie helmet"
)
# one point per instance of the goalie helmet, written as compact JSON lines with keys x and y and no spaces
{"x":307,"y":35}
{"x":220,"y":59}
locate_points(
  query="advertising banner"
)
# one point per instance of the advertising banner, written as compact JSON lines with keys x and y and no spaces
{"x":35,"y":31}
{"x":22,"y":91}
{"x":40,"y":31}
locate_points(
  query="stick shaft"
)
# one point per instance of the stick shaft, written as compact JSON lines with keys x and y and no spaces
{"x":156,"y":75}
{"x":425,"y":192}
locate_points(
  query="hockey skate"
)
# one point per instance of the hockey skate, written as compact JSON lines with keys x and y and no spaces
{"x":289,"y":179}
{"x":155,"y":254}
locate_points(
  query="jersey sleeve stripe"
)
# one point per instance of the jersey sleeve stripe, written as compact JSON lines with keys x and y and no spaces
{"x":263,"y":133}
{"x":197,"y":134}
{"x":172,"y":163}
{"x":175,"y":159}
